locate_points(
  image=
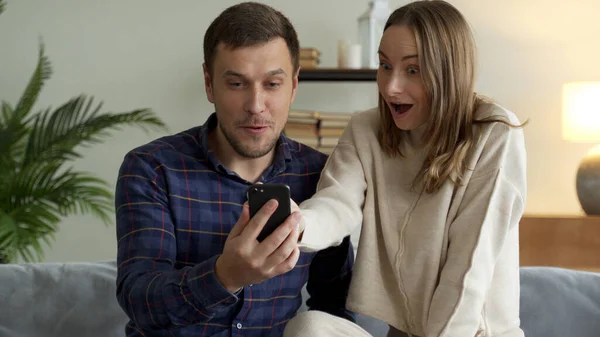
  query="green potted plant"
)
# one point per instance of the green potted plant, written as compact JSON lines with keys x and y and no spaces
{"x":38,"y":184}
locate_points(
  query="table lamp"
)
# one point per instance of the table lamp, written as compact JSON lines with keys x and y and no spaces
{"x":581,"y":123}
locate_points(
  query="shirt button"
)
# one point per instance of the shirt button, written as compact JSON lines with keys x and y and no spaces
{"x":239,"y":325}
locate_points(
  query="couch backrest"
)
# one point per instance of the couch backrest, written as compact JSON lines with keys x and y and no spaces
{"x":559,"y":302}
{"x":56,"y":299}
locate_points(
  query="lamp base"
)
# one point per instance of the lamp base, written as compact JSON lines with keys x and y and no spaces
{"x":588,"y":182}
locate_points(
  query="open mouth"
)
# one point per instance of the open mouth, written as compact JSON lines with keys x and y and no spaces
{"x":400,"y":109}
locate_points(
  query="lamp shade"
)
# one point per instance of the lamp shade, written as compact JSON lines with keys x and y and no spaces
{"x":581,"y":112}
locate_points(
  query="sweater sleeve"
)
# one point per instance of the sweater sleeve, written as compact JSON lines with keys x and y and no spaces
{"x":335,"y":210}
{"x":482,"y":233}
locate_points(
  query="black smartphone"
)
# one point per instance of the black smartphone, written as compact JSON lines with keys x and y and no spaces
{"x":259,"y":194}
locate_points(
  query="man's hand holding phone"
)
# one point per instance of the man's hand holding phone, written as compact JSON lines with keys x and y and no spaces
{"x":246,"y":261}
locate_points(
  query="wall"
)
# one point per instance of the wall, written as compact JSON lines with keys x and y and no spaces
{"x":148,"y":53}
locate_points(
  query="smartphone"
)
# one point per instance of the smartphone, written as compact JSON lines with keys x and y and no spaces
{"x":259,"y":194}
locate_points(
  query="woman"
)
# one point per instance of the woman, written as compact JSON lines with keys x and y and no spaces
{"x":436,"y":176}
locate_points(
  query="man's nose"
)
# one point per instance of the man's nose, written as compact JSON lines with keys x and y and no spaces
{"x":255,"y":102}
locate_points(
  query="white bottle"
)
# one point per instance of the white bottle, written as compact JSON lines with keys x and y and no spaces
{"x":370,"y":30}
{"x":342,"y":53}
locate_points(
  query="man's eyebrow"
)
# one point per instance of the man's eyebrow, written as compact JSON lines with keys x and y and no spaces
{"x":231,"y":73}
{"x":276,"y":72}
{"x":269,"y":73}
{"x":403,"y":58}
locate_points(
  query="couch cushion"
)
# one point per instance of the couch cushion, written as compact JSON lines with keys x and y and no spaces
{"x":78,"y":299}
{"x":559,"y":302}
{"x":56,"y":299}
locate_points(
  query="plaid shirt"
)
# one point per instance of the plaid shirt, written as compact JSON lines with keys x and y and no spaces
{"x":175,"y":205}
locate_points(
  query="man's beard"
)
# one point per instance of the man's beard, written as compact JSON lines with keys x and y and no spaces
{"x":245,"y":150}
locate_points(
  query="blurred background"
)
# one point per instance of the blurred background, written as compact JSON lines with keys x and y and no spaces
{"x":148,"y":53}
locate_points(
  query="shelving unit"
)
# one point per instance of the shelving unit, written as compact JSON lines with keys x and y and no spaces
{"x":337,"y":75}
{"x":560,"y":241}
{"x":322,"y":132}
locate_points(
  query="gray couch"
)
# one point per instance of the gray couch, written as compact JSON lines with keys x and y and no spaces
{"x":78,"y":299}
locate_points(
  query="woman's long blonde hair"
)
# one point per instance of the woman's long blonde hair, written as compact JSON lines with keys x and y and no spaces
{"x":446,"y":50}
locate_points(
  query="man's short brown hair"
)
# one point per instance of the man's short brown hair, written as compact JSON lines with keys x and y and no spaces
{"x":249,"y":24}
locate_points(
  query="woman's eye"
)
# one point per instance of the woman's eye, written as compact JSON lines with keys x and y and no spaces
{"x":413,"y":70}
{"x":384,"y":66}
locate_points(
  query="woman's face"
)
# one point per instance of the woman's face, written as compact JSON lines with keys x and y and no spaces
{"x":399,"y":78}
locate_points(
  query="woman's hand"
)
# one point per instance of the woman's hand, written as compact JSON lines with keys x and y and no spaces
{"x":295,"y":208}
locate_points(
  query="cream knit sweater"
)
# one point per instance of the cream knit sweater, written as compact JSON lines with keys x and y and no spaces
{"x":442,"y":264}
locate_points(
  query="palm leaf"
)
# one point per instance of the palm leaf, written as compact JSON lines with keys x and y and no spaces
{"x":55,"y":134}
{"x":12,"y":136}
{"x":37,"y":188}
{"x":61,"y":193}
{"x":13,"y":124}
{"x":6,"y":134}
{"x":39,"y":198}
{"x":42,"y":72}
{"x":7,"y":112}
{"x":8,"y":236}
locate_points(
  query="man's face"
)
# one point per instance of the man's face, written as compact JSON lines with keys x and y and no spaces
{"x":252,"y":89}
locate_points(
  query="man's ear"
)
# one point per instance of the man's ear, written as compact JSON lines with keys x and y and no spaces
{"x":208,"y":84}
{"x":295,"y":84}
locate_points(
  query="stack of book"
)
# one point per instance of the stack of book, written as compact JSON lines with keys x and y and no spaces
{"x":303,"y":127}
{"x":319,"y":130}
{"x":331,"y":126}
{"x":309,"y":58}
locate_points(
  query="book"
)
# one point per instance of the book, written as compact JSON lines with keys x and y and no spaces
{"x":317,"y":129}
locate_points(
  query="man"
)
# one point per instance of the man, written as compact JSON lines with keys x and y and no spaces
{"x":189,"y":263}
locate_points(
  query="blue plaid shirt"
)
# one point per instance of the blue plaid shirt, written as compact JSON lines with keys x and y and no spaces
{"x":175,"y":205}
